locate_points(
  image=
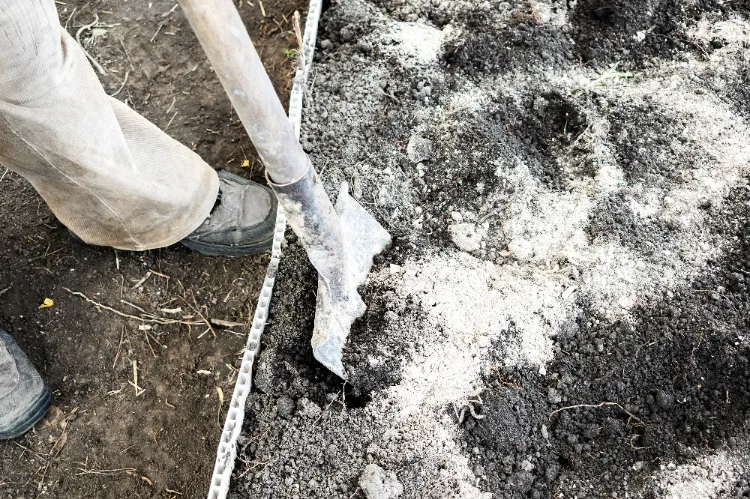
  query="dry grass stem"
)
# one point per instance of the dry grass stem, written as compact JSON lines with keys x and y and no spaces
{"x":147,"y":317}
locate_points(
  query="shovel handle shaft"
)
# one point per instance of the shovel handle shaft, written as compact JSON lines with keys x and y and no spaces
{"x":227,"y":44}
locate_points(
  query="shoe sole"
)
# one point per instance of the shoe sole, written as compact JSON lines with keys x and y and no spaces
{"x":209,"y":249}
{"x":215,"y":249}
{"x":39,"y":408}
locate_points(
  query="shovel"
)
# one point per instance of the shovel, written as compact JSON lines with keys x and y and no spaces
{"x":340,"y":242}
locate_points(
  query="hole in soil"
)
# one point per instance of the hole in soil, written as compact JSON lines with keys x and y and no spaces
{"x":323,"y":383}
{"x":552,"y":123}
{"x":565,"y":461}
{"x":354,"y":398}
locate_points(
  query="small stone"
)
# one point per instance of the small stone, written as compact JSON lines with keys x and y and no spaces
{"x":627,"y":302}
{"x":377,"y":484}
{"x":664,"y":400}
{"x":638,"y":466}
{"x":285,"y":407}
{"x":551,"y":473}
{"x":545,"y":433}
{"x":308,"y":408}
{"x":521,"y":482}
{"x":357,"y":187}
{"x":599,"y":344}
{"x":466,"y":236}
{"x":554,"y":396}
{"x":419,"y":149}
{"x":543,"y":13}
{"x":264,"y":372}
{"x":521,"y":249}
{"x":346,"y":33}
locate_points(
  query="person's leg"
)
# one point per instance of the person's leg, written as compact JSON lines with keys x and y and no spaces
{"x":107,"y":173}
{"x":24,"y":398}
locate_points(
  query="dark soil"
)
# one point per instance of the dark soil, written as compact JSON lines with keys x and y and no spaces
{"x":100,"y":439}
{"x":664,"y":388}
{"x":680,"y":375}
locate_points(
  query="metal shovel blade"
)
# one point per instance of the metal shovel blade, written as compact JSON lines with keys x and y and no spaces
{"x":363,"y":238}
{"x":341,"y":244}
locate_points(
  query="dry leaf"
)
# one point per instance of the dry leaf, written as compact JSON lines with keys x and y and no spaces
{"x":221,"y":395}
{"x":47,"y":303}
{"x":54,"y":416}
{"x":60,"y":443}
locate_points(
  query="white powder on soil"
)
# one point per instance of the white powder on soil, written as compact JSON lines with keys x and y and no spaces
{"x":474,"y":301}
{"x":706,"y":479}
{"x":469,"y":304}
{"x":524,"y":304}
{"x":413,"y":43}
{"x":735,"y":30}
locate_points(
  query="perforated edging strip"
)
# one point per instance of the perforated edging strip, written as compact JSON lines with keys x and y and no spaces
{"x":227,"y":452}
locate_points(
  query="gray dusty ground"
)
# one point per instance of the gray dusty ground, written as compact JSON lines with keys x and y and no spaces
{"x":563,"y":312}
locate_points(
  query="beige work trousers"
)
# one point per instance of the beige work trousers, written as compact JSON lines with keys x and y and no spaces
{"x":106,"y":172}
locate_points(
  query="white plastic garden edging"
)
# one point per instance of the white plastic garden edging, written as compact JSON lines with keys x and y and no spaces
{"x":227,"y":452}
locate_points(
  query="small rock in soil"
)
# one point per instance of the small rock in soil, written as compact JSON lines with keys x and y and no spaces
{"x":419,"y":149}
{"x":285,"y":407}
{"x":466,"y":236}
{"x":664,"y":400}
{"x":521,"y":249}
{"x":377,"y":484}
{"x":308,"y":408}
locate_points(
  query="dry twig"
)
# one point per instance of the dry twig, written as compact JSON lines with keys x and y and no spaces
{"x":596,"y":406}
{"x":119,"y":347}
{"x":300,"y":45}
{"x":134,"y":383}
{"x":147,"y":317}
{"x":196,"y":309}
{"x":83,"y":28}
{"x":124,"y":81}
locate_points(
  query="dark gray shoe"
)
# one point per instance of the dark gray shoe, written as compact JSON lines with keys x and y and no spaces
{"x":24,"y":397}
{"x":241,"y":223}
